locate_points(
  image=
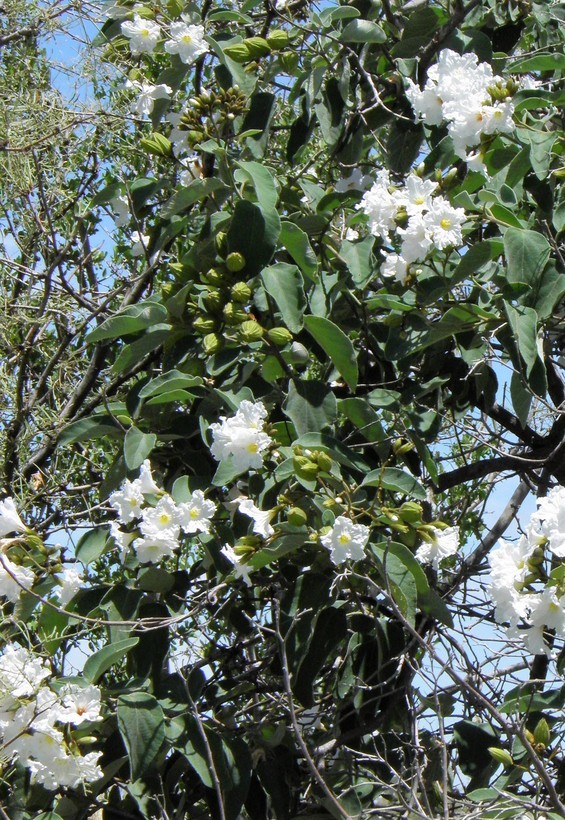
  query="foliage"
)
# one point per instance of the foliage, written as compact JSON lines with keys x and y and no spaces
{"x":283,"y":323}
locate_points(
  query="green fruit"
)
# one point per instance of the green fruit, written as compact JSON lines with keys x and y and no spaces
{"x":211,"y":343}
{"x":214,"y":277}
{"x":251,"y":331}
{"x":204,"y":324}
{"x":221,"y":243}
{"x":298,"y":353}
{"x":213,"y":301}
{"x":279,"y":336}
{"x":305,"y":468}
{"x":241,"y":292}
{"x":235,"y":262}
{"x":324,"y":461}
{"x":410,"y":512}
{"x":234,"y":315}
{"x":296,"y":517}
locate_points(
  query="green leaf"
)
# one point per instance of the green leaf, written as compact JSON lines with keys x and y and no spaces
{"x":541,"y":62}
{"x":362,"y":31}
{"x":172,"y":380}
{"x":358,"y":258}
{"x":330,"y":629}
{"x":396,"y":480}
{"x":526,"y":253}
{"x":310,"y":405}
{"x":405,"y":557}
{"x":132,"y":354}
{"x":367,"y":421}
{"x":137,"y":446}
{"x":336,"y":345}
{"x":521,"y":397}
{"x":106,"y":657}
{"x":403,"y":145}
{"x":258,"y":118}
{"x":91,"y":546}
{"x":476,"y":257}
{"x":90,"y":428}
{"x":195,"y":192}
{"x":473,"y":742}
{"x":142,"y":726}
{"x":284,"y":283}
{"x":298,"y":245}
{"x":253,"y":232}
{"x":131,"y":320}
{"x":263,"y":182}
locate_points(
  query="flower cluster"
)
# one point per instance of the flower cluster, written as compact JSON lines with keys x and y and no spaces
{"x":468,"y":96}
{"x":36,"y":722}
{"x":13,"y":578}
{"x":427,"y":220}
{"x":242,"y":437}
{"x":153,"y":527}
{"x":526,"y":596}
{"x":184,"y":39}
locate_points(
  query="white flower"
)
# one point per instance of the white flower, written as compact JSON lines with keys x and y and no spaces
{"x":497,"y":119}
{"x":443,"y":544}
{"x":380,"y":206}
{"x":351,"y":234}
{"x":261,"y":520}
{"x":150,"y":550}
{"x":550,"y":517}
{"x":192,"y":170}
{"x":194,"y":515}
{"x":71,"y":582}
{"x":122,"y":538}
{"x":416,"y":196}
{"x":241,"y":437}
{"x":147,"y":95}
{"x":346,"y":540}
{"x":187,"y":41}
{"x":426,"y":102}
{"x":395,"y":265}
{"x":510,"y":604}
{"x":120,"y":206}
{"x":416,"y":239}
{"x":128,"y":502}
{"x":79,"y":704}
{"x":161,"y":522}
{"x":547,"y":610}
{"x":444,"y":224}
{"x":21,"y":673}
{"x":509,"y":565}
{"x":13,"y":579}
{"x":240,"y":569}
{"x":146,"y":483}
{"x":10,"y":521}
{"x":140,"y":243}
{"x":143,"y":34}
{"x":356,"y":181}
{"x":178,"y":135}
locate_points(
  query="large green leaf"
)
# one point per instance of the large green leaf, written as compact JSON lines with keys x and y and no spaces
{"x":363,"y":31}
{"x":284,"y":283}
{"x":171,"y":380}
{"x":329,"y":630}
{"x":337,"y":345}
{"x":142,"y":726}
{"x":296,"y":241}
{"x":526,"y":253}
{"x":137,"y":446}
{"x":310,"y":405}
{"x":106,"y":657}
{"x":90,"y":428}
{"x":263,"y":182}
{"x":91,"y":545}
{"x":253,"y":232}
{"x":186,"y":197}
{"x":131,"y":320}
{"x":358,"y":257}
{"x":396,"y":480}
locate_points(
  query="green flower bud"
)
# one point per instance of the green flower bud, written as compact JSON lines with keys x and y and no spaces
{"x":221,"y":243}
{"x":279,"y":336}
{"x":298,"y":353}
{"x":235,"y":262}
{"x":323,"y":461}
{"x":501,"y":756}
{"x":305,"y":468}
{"x":402,"y":446}
{"x":213,"y":301}
{"x":401,"y":217}
{"x":233,"y":314}
{"x":542,"y":734}
{"x":296,"y":517}
{"x":214,"y":277}
{"x":410,"y":512}
{"x":251,"y":331}
{"x":204,"y":324}
{"x":241,"y":292}
{"x":211,"y":343}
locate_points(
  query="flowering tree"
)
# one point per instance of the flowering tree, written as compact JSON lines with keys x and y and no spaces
{"x":283,"y":326}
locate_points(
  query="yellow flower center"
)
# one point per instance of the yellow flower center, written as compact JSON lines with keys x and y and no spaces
{"x":187,"y":38}
{"x":252,"y":448}
{"x":194,"y":513}
{"x":145,"y":32}
{"x":445,"y":224}
{"x":419,"y":200}
{"x":164,"y":518}
{"x":344,"y":538}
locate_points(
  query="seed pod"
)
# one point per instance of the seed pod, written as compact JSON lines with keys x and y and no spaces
{"x":235,"y":262}
{"x":233,"y":314}
{"x":241,"y":292}
{"x":251,"y":331}
{"x":296,"y":517}
{"x":298,"y":353}
{"x":279,"y":336}
{"x":204,"y":324}
{"x":211,"y":343}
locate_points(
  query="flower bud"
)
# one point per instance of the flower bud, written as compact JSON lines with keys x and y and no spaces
{"x":241,"y":292}
{"x":233,"y":314}
{"x":235,"y":262}
{"x":501,"y":756}
{"x":221,"y":243}
{"x":211,"y":343}
{"x":323,"y":461}
{"x":204,"y":324}
{"x":298,"y":353}
{"x":305,"y":468}
{"x":214,"y":277}
{"x":410,"y":512}
{"x":296,"y":517}
{"x":251,"y":331}
{"x":213,"y":301}
{"x":279,"y":336}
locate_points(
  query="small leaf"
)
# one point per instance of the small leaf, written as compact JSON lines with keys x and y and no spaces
{"x":91,"y":546}
{"x":137,"y":446}
{"x":172,"y":380}
{"x":106,"y":657}
{"x":337,"y":345}
{"x":396,"y":480}
{"x":296,"y":241}
{"x":363,"y":31}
